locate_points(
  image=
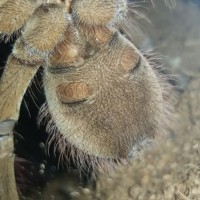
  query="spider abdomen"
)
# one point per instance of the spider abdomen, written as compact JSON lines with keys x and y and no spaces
{"x":103,"y":107}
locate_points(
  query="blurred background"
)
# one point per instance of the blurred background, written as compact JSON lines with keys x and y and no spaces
{"x":173,"y":32}
{"x":169,"y":171}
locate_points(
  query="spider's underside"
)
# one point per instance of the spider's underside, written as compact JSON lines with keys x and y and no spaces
{"x":104,"y":99}
{"x":102,"y":95}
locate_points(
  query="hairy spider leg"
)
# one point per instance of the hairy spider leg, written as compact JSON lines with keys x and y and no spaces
{"x":14,"y":14}
{"x":29,"y":53}
{"x":99,"y":12}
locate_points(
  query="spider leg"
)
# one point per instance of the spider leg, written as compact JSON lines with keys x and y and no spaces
{"x":46,"y":28}
{"x":99,"y":12}
{"x":16,"y":77}
{"x":13,"y":84}
{"x":8,"y":188}
{"x":40,"y":36}
{"x":14,"y":14}
{"x":97,"y":19}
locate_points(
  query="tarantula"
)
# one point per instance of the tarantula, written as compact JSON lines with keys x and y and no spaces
{"x":104,"y":100}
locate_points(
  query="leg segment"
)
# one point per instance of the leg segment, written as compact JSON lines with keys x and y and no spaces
{"x":46,"y":28}
{"x":8,"y":188}
{"x":99,"y":12}
{"x":40,"y":36}
{"x":14,"y":14}
{"x":13,"y":84}
{"x":42,"y":33}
